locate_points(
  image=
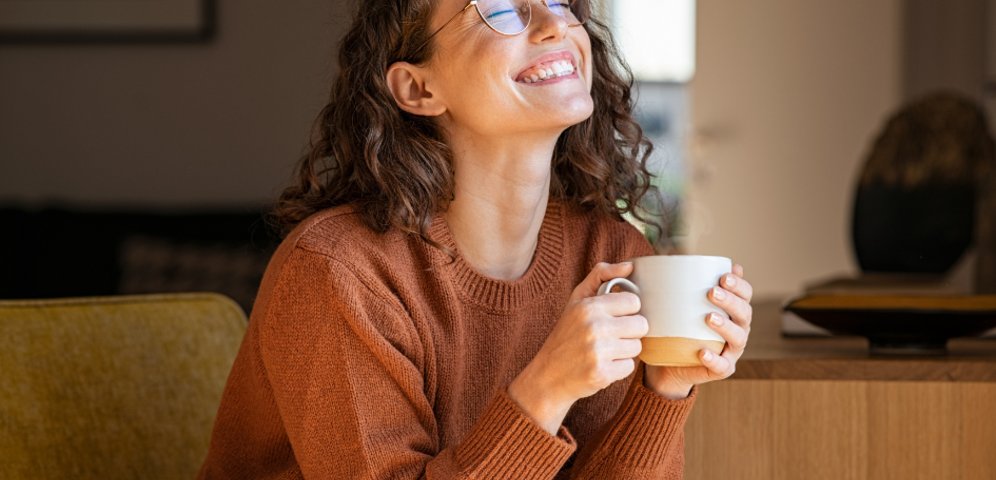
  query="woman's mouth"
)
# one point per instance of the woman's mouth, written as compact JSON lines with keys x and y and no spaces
{"x":548,"y":69}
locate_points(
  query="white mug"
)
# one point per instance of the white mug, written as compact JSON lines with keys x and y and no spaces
{"x":672,"y":291}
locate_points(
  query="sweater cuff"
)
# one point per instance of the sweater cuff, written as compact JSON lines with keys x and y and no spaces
{"x":647,"y":425}
{"x":506,"y":443}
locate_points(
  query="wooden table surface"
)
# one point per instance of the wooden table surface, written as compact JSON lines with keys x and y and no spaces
{"x":823,"y":408}
{"x":770,"y":355}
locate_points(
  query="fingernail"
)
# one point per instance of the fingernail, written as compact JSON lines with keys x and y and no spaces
{"x":718,"y":293}
{"x":715,"y":319}
{"x":707,"y":356}
{"x":731,"y":280}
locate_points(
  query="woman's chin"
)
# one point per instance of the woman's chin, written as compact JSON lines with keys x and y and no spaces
{"x":569,"y":110}
{"x":577,"y":113}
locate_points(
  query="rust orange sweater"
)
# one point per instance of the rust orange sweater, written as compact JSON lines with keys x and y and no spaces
{"x":375,"y":356}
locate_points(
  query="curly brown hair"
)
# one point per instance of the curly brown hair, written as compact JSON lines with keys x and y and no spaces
{"x":396,"y":167}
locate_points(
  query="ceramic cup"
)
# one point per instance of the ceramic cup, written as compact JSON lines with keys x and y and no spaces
{"x":672,"y":291}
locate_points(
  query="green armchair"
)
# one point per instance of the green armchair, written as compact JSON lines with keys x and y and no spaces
{"x":113,"y":387}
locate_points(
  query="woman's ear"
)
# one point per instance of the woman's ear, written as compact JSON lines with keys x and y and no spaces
{"x":408,"y":85}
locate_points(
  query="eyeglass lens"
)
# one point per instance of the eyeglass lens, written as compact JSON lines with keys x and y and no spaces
{"x":511,"y":17}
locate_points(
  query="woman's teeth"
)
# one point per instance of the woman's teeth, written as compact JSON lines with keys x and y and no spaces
{"x":548,"y":71}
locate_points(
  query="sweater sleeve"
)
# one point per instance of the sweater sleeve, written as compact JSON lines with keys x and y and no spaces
{"x":645,"y":438}
{"x":345,"y":364}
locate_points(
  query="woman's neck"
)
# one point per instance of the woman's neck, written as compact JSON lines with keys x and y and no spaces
{"x":500,"y":201}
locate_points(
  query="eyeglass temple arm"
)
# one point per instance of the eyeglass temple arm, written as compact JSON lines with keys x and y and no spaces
{"x":471,"y":3}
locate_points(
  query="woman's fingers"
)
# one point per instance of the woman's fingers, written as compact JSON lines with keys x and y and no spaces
{"x":602,"y":273}
{"x":630,"y":326}
{"x":738,"y":308}
{"x":614,"y":304}
{"x":620,"y":369}
{"x":738,"y":286}
{"x":719,"y":366}
{"x":626,"y":348}
{"x":735,"y":335}
{"x":733,"y":296}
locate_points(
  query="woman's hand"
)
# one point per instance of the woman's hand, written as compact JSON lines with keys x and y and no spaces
{"x":733,"y":295}
{"x":593,"y":345}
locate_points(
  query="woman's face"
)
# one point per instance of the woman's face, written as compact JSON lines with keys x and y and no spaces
{"x":486,"y":79}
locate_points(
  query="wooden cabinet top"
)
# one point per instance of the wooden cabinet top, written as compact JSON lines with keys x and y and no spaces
{"x":772,"y":356}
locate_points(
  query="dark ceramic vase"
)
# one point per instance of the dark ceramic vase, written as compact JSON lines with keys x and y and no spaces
{"x":921,"y":230}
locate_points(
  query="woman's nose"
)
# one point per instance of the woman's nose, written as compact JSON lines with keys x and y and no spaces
{"x":546,"y":25}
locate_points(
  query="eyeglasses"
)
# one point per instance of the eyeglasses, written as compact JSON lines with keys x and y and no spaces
{"x":512,"y":17}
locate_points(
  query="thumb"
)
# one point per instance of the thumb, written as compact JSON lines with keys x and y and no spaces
{"x":602,"y":273}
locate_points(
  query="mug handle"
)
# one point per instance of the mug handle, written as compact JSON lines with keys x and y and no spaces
{"x":620,"y":282}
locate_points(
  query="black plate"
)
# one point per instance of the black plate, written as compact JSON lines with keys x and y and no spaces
{"x":914,"y":325}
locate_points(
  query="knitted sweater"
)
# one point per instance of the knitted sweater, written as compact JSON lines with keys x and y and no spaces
{"x":380,"y":356}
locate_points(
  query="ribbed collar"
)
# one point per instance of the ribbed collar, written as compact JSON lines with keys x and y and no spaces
{"x":499,"y":296}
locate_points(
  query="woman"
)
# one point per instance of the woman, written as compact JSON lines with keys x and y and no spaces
{"x":432,"y":314}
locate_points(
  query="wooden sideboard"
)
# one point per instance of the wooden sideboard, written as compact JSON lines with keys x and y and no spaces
{"x":822,"y":408}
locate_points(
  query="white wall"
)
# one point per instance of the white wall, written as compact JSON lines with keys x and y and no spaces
{"x":161,"y":124}
{"x":787,"y":98}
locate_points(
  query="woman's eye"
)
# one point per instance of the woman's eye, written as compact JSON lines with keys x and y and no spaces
{"x":555,"y":6}
{"x":498,"y":14}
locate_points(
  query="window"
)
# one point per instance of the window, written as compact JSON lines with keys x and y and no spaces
{"x":657,"y":39}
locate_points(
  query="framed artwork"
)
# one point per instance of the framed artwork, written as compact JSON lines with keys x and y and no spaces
{"x":30,"y":21}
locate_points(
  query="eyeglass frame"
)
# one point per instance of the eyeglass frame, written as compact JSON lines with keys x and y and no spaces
{"x":474,"y":3}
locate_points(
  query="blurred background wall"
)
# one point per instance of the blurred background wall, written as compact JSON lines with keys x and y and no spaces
{"x":946,"y":46}
{"x":787,"y":99}
{"x":215,"y":123}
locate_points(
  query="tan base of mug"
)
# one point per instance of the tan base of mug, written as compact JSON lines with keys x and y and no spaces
{"x":676,"y":351}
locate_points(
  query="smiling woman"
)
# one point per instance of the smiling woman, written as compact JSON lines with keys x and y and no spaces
{"x":432,"y":310}
{"x":595,"y":162}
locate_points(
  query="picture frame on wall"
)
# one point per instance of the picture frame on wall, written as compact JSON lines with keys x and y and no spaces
{"x":30,"y":21}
